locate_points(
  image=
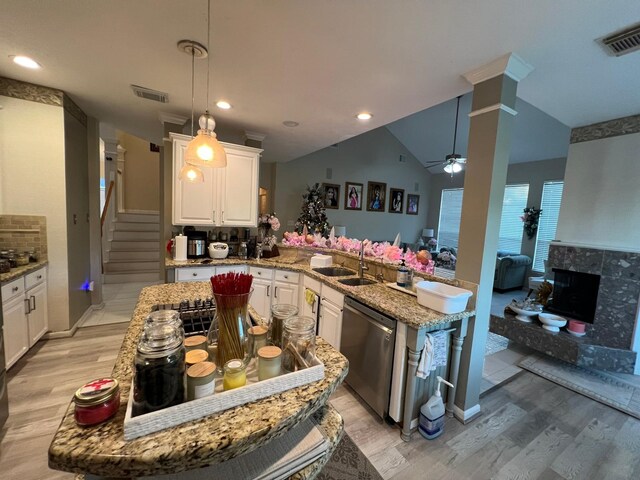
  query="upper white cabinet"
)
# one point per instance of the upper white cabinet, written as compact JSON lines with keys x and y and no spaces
{"x":227,"y":197}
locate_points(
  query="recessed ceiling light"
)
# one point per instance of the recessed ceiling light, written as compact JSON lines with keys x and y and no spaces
{"x":290,"y":123}
{"x":25,"y":61}
{"x":364,"y":116}
{"x":223,"y":105}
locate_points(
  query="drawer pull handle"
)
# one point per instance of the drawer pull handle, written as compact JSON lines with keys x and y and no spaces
{"x":286,"y":276}
{"x":34,"y":303}
{"x":14,"y":289}
{"x":28,"y":306}
{"x":259,"y":273}
{"x":194,"y":274}
{"x":39,"y":277}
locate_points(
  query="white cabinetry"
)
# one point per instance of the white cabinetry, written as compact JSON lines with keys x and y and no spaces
{"x":227,"y":197}
{"x":286,"y":287}
{"x":330,"y":322}
{"x":310,"y":310}
{"x":203,"y":274}
{"x":24,"y":309}
{"x":271,"y":287}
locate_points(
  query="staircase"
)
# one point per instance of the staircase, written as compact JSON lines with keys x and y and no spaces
{"x":132,"y":251}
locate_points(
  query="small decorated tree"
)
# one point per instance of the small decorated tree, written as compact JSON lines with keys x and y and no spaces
{"x":313,"y":213}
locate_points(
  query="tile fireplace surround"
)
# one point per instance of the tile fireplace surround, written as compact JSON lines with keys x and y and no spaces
{"x":609,"y":342}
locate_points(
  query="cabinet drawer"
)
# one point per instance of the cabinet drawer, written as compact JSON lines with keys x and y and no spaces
{"x":194,"y":274}
{"x":312,"y":284}
{"x":13,"y":289}
{"x":265,"y":273}
{"x":221,"y":269}
{"x":286,"y":276}
{"x":333,"y":296}
{"x":34,"y":278}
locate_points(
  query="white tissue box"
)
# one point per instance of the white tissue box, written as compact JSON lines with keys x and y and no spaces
{"x":321,"y":261}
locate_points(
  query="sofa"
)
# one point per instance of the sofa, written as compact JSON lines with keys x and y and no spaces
{"x":511,"y":271}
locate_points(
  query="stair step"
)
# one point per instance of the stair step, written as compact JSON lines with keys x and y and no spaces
{"x":135,"y":236}
{"x":127,"y":266}
{"x":135,"y":256}
{"x":136,"y":227}
{"x":138,"y":217}
{"x":131,"y":246}
{"x":130,"y":277}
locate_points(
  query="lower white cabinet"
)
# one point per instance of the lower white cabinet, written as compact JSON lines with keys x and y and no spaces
{"x":203,"y":274}
{"x":271,"y":287}
{"x":260,"y":299}
{"x":25,"y":312}
{"x":330,"y":321}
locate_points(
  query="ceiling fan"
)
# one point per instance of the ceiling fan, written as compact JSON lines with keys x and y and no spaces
{"x":453,"y":162}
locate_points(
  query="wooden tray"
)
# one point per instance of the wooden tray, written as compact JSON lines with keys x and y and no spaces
{"x":141,"y":425}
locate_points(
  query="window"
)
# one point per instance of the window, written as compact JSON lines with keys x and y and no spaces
{"x":550,"y":205}
{"x":511,"y":228}
{"x":449,"y":222}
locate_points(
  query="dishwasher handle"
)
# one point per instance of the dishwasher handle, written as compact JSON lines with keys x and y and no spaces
{"x":378,"y":325}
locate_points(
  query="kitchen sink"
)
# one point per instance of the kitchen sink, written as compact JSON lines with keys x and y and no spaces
{"x":355,"y":282}
{"x":334,"y":271}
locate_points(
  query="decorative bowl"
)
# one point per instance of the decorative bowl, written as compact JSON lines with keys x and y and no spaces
{"x":523,"y":315}
{"x":551,"y":322}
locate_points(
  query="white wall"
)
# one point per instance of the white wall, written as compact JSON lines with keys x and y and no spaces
{"x":372,"y":156}
{"x":601,"y":199}
{"x":32,"y":182}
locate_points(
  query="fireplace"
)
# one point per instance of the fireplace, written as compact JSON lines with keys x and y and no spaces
{"x":575,"y":294}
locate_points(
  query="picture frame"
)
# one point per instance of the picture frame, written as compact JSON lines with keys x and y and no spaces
{"x":396,"y":200}
{"x":331,"y":195}
{"x":353,"y":196}
{"x":376,"y":196}
{"x":413,"y":203}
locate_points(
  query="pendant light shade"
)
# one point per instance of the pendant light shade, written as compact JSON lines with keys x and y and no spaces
{"x":191,"y":173}
{"x":453,"y":168}
{"x":205,"y":150}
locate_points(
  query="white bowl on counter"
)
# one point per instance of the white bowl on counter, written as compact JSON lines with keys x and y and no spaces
{"x":551,"y":322}
{"x":522,"y":314}
{"x":441,"y":297}
{"x":218,"y":250}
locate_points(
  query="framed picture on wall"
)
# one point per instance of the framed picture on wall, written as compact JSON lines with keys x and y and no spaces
{"x":396,"y":200}
{"x":376,"y":196}
{"x":412,"y":204}
{"x":331,"y":195}
{"x":353,"y":196}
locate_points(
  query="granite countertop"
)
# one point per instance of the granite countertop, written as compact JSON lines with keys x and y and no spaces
{"x":102,"y":450}
{"x":401,"y":306}
{"x":21,"y":271}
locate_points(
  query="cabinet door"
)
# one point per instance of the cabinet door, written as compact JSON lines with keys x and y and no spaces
{"x":16,"y":335}
{"x":260,"y":299}
{"x":330,"y":324}
{"x":193,"y":203}
{"x":284,"y":292}
{"x":38,"y":316}
{"x":239,"y":187}
{"x":310,"y":310}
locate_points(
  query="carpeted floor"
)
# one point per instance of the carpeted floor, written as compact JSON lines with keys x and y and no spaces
{"x":617,"y":390}
{"x":348,"y":463}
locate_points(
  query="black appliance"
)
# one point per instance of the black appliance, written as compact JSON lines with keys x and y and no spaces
{"x":575,"y":294}
{"x":4,"y":398}
{"x":196,"y":244}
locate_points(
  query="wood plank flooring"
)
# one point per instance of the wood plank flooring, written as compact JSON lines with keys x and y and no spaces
{"x":530,"y":428}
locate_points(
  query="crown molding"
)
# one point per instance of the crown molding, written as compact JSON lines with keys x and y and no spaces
{"x":172,"y":118}
{"x":509,"y":64}
{"x":491,"y":108}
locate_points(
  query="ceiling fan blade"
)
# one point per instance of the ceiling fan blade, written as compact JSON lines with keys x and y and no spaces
{"x":435,"y":162}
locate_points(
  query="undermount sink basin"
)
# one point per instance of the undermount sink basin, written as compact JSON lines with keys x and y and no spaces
{"x":355,"y":282}
{"x":334,"y":271}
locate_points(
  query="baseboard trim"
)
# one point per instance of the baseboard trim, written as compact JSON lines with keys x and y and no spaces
{"x":72,"y":331}
{"x":465,"y":416}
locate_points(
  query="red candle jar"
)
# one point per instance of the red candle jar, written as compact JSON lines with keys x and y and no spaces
{"x":576,"y":327}
{"x":96,"y":401}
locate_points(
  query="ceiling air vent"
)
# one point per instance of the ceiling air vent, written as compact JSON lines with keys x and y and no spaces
{"x":623,"y":42}
{"x":149,"y":94}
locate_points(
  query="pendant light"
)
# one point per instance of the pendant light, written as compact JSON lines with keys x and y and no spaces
{"x":205,"y":150}
{"x":453,"y":161}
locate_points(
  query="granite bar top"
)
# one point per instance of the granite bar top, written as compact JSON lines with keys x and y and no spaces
{"x":401,"y":306}
{"x":21,"y":271}
{"x":102,"y":450}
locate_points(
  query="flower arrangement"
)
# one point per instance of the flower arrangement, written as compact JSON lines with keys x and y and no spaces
{"x":530,"y":219}
{"x":266,"y":223}
{"x":432,"y":243}
{"x":388,"y":253}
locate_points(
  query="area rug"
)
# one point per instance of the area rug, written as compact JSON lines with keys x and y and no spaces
{"x":620,"y":391}
{"x":348,"y":463}
{"x":495,"y":343}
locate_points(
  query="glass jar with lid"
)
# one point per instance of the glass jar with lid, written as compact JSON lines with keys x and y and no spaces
{"x":159,"y":369}
{"x":96,"y":401}
{"x":298,"y":343}
{"x":279,"y":313}
{"x":22,"y":259}
{"x":165,"y":317}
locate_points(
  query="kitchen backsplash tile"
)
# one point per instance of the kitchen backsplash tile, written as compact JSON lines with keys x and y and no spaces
{"x":24,"y":232}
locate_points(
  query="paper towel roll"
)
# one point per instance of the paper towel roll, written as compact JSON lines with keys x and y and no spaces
{"x":181,"y":248}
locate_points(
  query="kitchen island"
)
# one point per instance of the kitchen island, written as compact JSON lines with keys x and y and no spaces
{"x":102,"y":450}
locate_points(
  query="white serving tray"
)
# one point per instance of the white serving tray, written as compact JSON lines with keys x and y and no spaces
{"x":141,"y":425}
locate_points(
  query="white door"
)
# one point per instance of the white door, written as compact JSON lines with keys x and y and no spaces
{"x":38,"y":317}
{"x":285,"y":293}
{"x":193,"y":203}
{"x":260,"y":299}
{"x":16,"y":335}
{"x":330,"y":324}
{"x":239,"y":184}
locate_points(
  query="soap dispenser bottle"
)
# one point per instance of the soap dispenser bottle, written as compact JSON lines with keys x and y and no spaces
{"x":432,"y":414}
{"x":402,"y":277}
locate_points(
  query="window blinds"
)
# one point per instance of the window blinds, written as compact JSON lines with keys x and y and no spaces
{"x":450,"y":213}
{"x":550,"y":205}
{"x":511,"y":226}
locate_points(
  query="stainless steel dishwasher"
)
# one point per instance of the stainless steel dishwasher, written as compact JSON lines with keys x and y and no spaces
{"x":368,"y":339}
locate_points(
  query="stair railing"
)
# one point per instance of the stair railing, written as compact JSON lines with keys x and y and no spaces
{"x":103,"y":217}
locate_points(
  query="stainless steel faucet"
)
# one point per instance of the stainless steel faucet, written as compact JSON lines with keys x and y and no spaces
{"x":361,"y":266}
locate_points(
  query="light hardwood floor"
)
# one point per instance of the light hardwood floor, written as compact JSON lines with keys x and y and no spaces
{"x":530,"y":428}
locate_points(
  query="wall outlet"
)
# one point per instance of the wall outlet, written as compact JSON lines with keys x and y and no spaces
{"x":92,"y":285}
